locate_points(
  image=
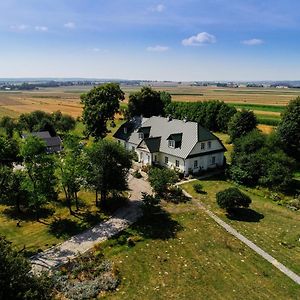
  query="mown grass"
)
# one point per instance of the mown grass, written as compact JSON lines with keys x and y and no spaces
{"x":195,"y":260}
{"x":272,"y":227}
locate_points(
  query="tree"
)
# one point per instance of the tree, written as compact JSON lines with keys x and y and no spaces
{"x":36,"y":121}
{"x":9,"y":151}
{"x":16,"y":281}
{"x":12,"y":193}
{"x":147,"y":102}
{"x":100,"y":105}
{"x":63,"y":122}
{"x":232,"y":198}
{"x":106,"y":168}
{"x":257,"y":159}
{"x":289,"y":129}
{"x":9,"y":125}
{"x":70,"y":165}
{"x":241,"y":123}
{"x":161,"y":180}
{"x":40,"y":180}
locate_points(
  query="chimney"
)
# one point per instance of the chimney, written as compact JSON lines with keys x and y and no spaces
{"x":185,"y":119}
{"x":169,"y":118}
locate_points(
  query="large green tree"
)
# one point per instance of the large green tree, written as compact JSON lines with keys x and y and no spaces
{"x":289,"y":129}
{"x":9,"y":125}
{"x":9,"y":151}
{"x":40,"y":181}
{"x":106,"y":168}
{"x":148,"y":102}
{"x":241,"y":123}
{"x":70,"y":166}
{"x":16,"y":281}
{"x":100,"y":105}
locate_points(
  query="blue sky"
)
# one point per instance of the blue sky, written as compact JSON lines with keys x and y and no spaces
{"x":145,"y":39}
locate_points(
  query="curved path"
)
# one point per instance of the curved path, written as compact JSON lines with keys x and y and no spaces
{"x":83,"y":242}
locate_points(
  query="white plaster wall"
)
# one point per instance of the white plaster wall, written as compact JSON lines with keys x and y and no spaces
{"x":215,"y":145}
{"x":172,"y":161}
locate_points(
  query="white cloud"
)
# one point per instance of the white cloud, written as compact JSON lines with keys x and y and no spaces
{"x":202,"y":38}
{"x":253,"y":42}
{"x":158,"y":8}
{"x":97,"y":50}
{"x":41,"y":28}
{"x":21,"y":27}
{"x":158,"y":48}
{"x":70,"y":25}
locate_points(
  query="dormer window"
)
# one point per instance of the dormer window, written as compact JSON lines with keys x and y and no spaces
{"x":141,"y":135}
{"x":125,"y":130}
{"x":209,"y":144}
{"x":202,"y":146}
{"x":171,"y":143}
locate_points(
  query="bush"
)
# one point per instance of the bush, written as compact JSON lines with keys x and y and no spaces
{"x":176,"y":195}
{"x":197,"y":188}
{"x":150,"y":203}
{"x":232,"y":198}
{"x":161,"y":180}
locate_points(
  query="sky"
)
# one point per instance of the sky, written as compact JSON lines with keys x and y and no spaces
{"x":179,"y":40}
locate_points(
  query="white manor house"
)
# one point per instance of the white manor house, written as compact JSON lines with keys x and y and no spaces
{"x":178,"y":144}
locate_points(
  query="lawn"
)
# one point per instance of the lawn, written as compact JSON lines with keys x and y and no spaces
{"x":273,"y":227}
{"x":186,"y":255}
{"x":36,"y":236}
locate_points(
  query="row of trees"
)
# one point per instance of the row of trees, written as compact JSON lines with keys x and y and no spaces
{"x":268,"y":160}
{"x":38,"y":121}
{"x":101,"y":167}
{"x":213,"y":115}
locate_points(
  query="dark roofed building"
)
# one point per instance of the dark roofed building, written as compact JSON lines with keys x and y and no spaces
{"x":53,"y":143}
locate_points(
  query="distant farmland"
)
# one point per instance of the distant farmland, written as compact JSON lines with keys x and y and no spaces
{"x":266,"y":103}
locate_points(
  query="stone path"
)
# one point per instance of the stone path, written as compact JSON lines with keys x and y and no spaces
{"x":254,"y":247}
{"x":83,"y":242}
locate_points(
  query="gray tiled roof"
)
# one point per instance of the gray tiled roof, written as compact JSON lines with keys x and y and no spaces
{"x":192,"y":133}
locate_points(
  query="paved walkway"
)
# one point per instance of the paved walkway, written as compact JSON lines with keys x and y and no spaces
{"x":254,"y":247}
{"x":83,"y":242}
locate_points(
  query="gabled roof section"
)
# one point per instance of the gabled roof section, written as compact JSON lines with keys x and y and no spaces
{"x":40,"y":134}
{"x":204,"y":134}
{"x":145,"y":130}
{"x":177,"y":137}
{"x":125,"y":130}
{"x":153,"y":144}
{"x":190,"y":133}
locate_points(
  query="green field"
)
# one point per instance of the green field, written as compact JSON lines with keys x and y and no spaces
{"x":186,"y":255}
{"x":260,"y":107}
{"x":269,"y":225}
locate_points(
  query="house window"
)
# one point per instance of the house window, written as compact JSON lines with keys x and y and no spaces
{"x":155,"y":157}
{"x":166,"y":159}
{"x":202,"y":146}
{"x":171,"y":143}
{"x":209,"y":144}
{"x":195,"y":164}
{"x":125,"y":130}
{"x":141,"y":135}
{"x":177,"y":163}
{"x":213,"y":160}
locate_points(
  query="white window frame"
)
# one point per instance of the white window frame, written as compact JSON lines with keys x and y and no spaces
{"x":166,"y":160}
{"x":141,"y":135}
{"x":171,"y":144}
{"x":177,"y":163}
{"x":202,"y":146}
{"x":209,"y":144}
{"x":196,"y":164}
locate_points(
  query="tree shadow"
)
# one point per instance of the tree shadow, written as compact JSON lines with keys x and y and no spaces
{"x":244,"y":215}
{"x":157,"y":225}
{"x":28,"y":214}
{"x":92,"y":218}
{"x":66,"y":228}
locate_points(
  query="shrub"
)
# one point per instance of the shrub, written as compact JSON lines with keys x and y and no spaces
{"x":176,"y":195}
{"x":232,"y":198}
{"x":197,"y":188}
{"x":150,"y":203}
